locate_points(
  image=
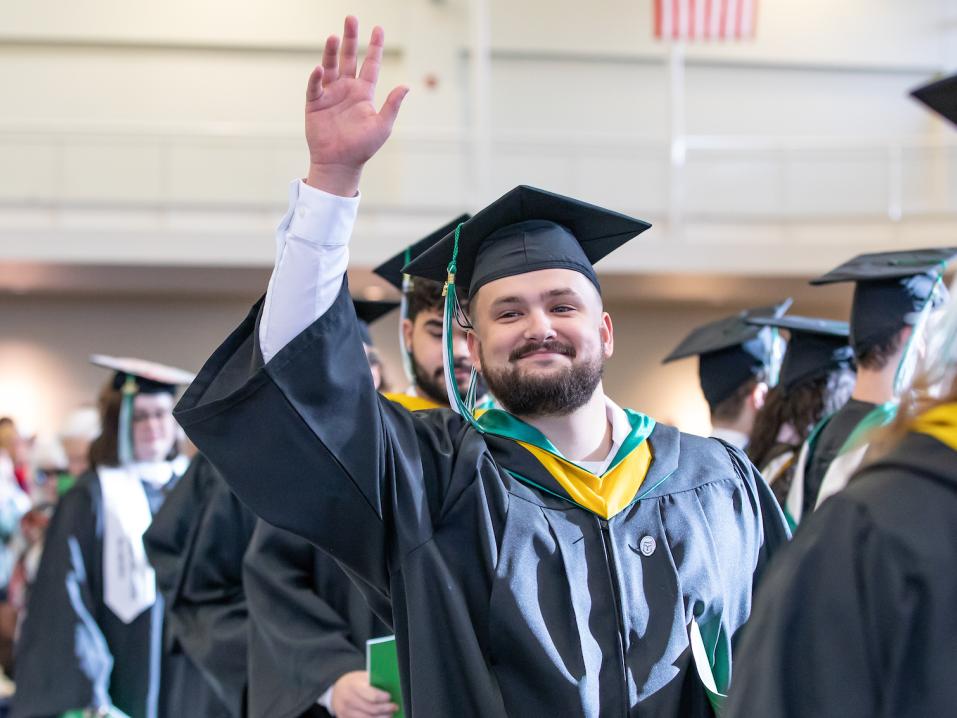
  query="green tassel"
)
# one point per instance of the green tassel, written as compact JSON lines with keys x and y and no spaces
{"x":454,"y":314}
{"x":124,"y":446}
{"x":403,"y":315}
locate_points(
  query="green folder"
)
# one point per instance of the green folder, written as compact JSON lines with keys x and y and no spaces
{"x":382,"y":663}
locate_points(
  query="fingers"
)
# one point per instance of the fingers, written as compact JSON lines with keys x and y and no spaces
{"x":372,"y":695}
{"x":350,"y":46}
{"x":314,"y":86}
{"x":373,"y":61}
{"x":359,"y":707}
{"x":330,"y":59}
{"x":390,"y":108}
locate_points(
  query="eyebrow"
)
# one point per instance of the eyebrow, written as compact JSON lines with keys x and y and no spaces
{"x":433,"y":322}
{"x":551,"y":294}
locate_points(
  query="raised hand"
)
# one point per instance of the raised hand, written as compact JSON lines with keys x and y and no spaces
{"x":343,"y":128}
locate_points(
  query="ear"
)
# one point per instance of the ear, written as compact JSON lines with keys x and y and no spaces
{"x":407,"y":328}
{"x":607,"y":333}
{"x":471,"y":338}
{"x":905,"y":335}
{"x":759,"y":395}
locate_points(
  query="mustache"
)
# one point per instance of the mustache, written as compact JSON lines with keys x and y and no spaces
{"x":458,"y":364}
{"x":551,"y":345}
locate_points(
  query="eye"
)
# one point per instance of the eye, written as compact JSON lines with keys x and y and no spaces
{"x":508,"y":314}
{"x":563,"y":308}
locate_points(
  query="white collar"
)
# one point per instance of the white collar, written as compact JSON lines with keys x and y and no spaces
{"x":158,"y":473}
{"x":620,"y":431}
{"x":734,"y":437}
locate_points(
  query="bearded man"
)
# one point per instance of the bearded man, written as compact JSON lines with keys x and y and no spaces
{"x":563,"y":556}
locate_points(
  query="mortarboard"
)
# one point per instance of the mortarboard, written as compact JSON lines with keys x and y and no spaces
{"x":891,"y":289}
{"x":940,"y":96}
{"x":368,"y":311}
{"x":816,"y":347}
{"x":139,"y":376}
{"x":731,"y":351}
{"x":391,"y":269}
{"x":525,"y":230}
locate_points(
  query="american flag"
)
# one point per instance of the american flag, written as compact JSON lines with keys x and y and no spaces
{"x":705,"y":19}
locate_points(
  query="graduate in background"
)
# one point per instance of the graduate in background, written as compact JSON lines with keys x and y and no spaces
{"x":737,"y":362}
{"x":196,"y":545}
{"x":92,"y":639}
{"x":894,"y":295}
{"x":420,"y":331}
{"x":309,"y":621}
{"x":817,"y":377}
{"x":561,"y":556}
{"x":857,"y":618}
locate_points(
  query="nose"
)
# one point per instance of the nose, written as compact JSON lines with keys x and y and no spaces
{"x":538,"y":326}
{"x":460,"y":346}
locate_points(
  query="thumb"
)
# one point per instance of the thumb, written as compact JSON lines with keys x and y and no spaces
{"x":390,"y":108}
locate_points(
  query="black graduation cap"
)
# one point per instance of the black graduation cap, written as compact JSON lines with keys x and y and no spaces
{"x":369,"y":311}
{"x":940,"y":96}
{"x":816,"y":347}
{"x":891,"y":287}
{"x":391,"y":269}
{"x":525,"y":230}
{"x":730,"y":351}
{"x":142,"y":376}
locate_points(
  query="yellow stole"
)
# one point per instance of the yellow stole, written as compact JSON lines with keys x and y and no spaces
{"x":603,"y":495}
{"x":939,"y":422}
{"x":412,"y":403}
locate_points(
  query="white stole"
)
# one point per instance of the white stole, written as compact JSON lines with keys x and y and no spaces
{"x":129,"y":583}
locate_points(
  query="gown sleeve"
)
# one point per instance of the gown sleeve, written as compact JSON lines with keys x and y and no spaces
{"x":300,"y":643}
{"x":825,"y":622}
{"x":63,"y":662}
{"x":310,"y":446}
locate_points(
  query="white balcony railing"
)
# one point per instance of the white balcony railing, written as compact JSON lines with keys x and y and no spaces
{"x":722,"y":178}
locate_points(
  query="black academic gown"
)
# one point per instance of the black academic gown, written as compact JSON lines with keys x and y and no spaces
{"x":828,"y":443}
{"x":73,"y":651}
{"x":507,"y":599}
{"x":857,"y":617}
{"x":199,"y":571}
{"x":308,"y":624}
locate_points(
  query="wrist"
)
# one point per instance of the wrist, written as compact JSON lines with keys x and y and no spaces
{"x":335,"y":179}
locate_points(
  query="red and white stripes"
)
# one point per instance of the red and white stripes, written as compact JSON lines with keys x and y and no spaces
{"x":705,"y":19}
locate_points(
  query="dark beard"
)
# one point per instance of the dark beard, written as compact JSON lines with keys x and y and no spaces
{"x":545,"y":396}
{"x":433,"y":387}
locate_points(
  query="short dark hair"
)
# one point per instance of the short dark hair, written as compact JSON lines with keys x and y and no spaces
{"x":730,"y":409}
{"x":426,"y":295}
{"x":875,"y":354}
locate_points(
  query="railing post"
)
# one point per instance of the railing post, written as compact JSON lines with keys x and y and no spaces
{"x":895,"y":182}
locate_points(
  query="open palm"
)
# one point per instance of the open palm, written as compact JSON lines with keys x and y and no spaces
{"x":343,"y":128}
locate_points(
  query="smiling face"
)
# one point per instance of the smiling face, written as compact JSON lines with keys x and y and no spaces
{"x":154,"y":429}
{"x":541,"y":340}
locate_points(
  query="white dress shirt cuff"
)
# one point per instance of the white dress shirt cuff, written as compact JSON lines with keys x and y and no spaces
{"x":325,"y":700}
{"x":312,"y":255}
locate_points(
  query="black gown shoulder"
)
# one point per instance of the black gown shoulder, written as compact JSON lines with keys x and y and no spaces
{"x":856,"y":617}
